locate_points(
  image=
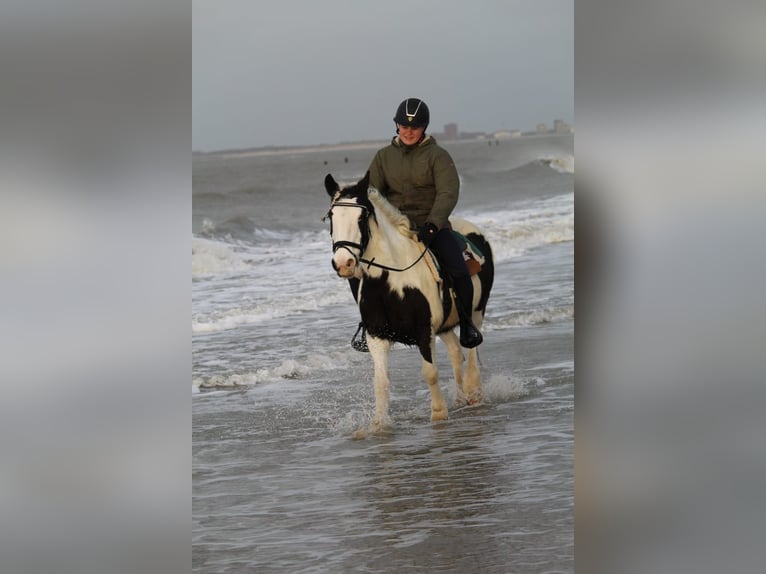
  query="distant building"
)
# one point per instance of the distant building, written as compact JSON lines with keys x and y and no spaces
{"x":542,"y":129}
{"x":450,"y":131}
{"x":515,"y":133}
{"x":561,"y":127}
{"x":502,"y":135}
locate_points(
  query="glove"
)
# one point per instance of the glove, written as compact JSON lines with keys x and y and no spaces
{"x":427,"y":233}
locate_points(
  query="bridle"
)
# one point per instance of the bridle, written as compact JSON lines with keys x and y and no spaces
{"x":364,"y":228}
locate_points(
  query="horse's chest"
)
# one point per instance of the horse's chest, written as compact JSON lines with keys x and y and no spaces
{"x":404,"y":318}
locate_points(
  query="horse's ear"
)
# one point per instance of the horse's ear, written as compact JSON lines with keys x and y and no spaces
{"x":331,"y":185}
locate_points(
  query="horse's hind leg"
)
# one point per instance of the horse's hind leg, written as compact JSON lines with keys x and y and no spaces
{"x":472,"y":380}
{"x":431,"y":376}
{"x":455,"y":353}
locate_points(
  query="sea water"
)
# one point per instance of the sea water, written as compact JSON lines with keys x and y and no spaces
{"x":278,"y":483}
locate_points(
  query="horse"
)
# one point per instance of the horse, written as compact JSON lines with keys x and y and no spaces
{"x":402,"y":297}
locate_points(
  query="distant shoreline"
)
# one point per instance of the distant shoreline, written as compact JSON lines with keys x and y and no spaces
{"x":348,"y":146}
{"x":284,"y":150}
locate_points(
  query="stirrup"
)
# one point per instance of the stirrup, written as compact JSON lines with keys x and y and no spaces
{"x":360,"y":344}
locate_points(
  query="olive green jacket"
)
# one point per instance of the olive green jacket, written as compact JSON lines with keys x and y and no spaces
{"x":421,"y":180}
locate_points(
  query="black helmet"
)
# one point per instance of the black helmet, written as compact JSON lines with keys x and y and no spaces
{"x":412,"y":112}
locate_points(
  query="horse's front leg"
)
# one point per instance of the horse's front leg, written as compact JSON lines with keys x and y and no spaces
{"x":431,"y":376}
{"x":379,"y":349}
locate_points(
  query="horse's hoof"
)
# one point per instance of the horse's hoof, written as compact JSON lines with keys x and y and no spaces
{"x":440,"y":415}
{"x":361,"y":434}
{"x":376,"y":428}
{"x":474,"y":401}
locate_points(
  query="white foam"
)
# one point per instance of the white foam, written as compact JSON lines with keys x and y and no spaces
{"x":210,"y":257}
{"x":562,"y":164}
{"x":287,"y":369}
{"x":229,"y":380}
{"x":531,"y":317}
{"x":533,"y":224}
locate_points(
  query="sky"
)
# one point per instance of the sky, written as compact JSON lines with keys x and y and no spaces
{"x":302,"y":72}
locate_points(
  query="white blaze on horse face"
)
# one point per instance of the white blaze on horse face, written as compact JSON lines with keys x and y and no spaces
{"x":345,"y":227}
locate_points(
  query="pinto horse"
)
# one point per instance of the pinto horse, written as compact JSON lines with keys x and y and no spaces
{"x":402,"y":297}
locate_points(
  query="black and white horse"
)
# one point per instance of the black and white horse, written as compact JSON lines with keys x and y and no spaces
{"x":401,"y":297}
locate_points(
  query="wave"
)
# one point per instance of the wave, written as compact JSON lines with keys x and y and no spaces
{"x":213,"y":254}
{"x":210,"y":257}
{"x":531,"y":167}
{"x":273,"y":308}
{"x":562,"y":164}
{"x":289,"y":369}
{"x":513,"y":232}
{"x":532,"y":317}
{"x":240,"y":228}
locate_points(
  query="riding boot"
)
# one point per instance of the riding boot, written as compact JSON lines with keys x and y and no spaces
{"x":470,"y":336}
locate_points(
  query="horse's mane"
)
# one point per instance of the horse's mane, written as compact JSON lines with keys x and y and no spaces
{"x":400,"y":221}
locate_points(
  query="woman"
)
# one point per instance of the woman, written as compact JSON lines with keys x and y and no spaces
{"x":418,"y":177}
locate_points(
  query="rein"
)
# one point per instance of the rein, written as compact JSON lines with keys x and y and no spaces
{"x":364,"y":228}
{"x":371,"y":262}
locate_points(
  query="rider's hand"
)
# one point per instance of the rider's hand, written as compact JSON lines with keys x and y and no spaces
{"x":427,"y":233}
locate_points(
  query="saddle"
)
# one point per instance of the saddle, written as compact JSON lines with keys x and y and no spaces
{"x":473,"y":256}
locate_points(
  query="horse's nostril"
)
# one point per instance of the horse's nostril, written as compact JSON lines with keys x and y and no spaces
{"x":349,"y":263}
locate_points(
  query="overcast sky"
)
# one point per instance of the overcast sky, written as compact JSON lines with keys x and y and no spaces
{"x":303,"y":72}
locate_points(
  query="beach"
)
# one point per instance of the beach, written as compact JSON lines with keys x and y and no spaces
{"x":279,"y":485}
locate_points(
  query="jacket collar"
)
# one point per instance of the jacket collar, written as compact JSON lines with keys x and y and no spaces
{"x":398,"y":143}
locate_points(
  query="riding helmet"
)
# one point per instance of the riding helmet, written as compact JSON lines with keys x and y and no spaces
{"x":412,"y":112}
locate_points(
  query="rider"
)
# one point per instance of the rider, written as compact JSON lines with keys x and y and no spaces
{"x":418,"y":177}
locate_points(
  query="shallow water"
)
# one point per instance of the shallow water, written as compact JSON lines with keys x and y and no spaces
{"x":279,"y":486}
{"x":278,"y":483}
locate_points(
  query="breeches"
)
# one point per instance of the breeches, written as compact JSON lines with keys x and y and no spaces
{"x":450,"y":253}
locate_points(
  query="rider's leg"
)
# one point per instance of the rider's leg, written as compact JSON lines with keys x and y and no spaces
{"x":450,"y":255}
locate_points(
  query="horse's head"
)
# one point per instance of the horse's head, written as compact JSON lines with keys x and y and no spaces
{"x":349,"y":215}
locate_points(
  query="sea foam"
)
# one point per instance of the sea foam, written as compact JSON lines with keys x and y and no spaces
{"x":210,"y":257}
{"x":515,"y":231}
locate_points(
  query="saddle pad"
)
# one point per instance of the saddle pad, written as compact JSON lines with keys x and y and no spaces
{"x":469,"y":247}
{"x":474,"y":258}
